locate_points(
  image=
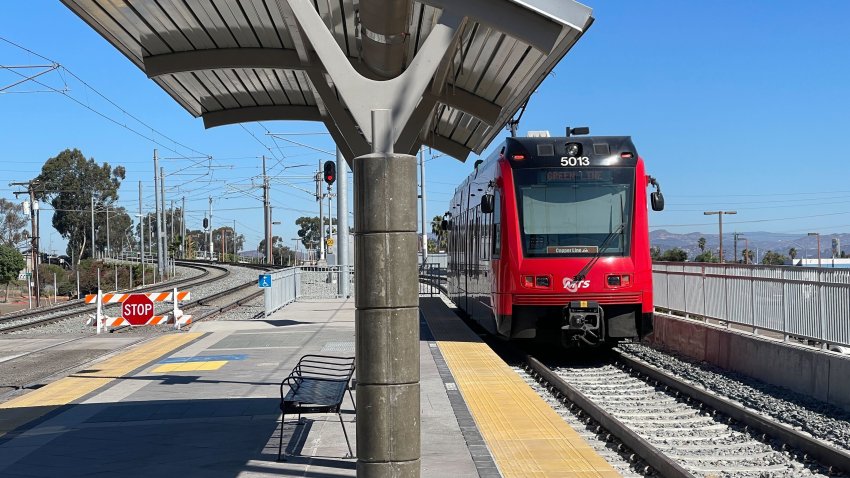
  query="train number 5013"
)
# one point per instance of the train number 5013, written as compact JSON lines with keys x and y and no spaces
{"x":575,"y":161}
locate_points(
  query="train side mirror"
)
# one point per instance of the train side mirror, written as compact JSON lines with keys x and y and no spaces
{"x":657,"y":200}
{"x":487,"y":203}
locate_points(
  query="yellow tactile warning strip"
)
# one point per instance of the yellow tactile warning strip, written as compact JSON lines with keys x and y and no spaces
{"x":525,"y":436}
{"x":190,"y":366}
{"x":37,"y":403}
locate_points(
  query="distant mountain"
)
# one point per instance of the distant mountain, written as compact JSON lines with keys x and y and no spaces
{"x":758,"y":241}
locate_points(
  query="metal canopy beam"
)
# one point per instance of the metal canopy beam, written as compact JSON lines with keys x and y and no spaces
{"x":260,"y":113}
{"x":220,"y":58}
{"x":399,"y":95}
{"x":469,"y":103}
{"x":536,"y":22}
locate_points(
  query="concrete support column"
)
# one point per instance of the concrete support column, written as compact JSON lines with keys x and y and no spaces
{"x":387,"y":316}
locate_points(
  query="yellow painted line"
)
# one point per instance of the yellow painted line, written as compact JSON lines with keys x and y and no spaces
{"x":190,"y":366}
{"x":526,"y":437}
{"x":37,"y":403}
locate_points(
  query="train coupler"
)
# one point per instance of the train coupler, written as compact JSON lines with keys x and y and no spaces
{"x":583,"y":321}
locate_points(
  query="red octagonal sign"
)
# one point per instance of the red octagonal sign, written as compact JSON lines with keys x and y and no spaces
{"x":137,"y":309}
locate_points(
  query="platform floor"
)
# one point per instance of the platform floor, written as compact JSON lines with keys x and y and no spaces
{"x":205,"y":404}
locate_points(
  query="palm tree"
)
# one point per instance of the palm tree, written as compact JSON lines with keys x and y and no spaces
{"x":437,"y":229}
{"x":701,"y":244}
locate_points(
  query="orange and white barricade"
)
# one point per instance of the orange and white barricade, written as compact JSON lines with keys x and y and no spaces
{"x":102,"y":321}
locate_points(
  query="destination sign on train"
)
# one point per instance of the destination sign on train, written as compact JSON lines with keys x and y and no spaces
{"x":572,"y":249}
{"x":570,"y":175}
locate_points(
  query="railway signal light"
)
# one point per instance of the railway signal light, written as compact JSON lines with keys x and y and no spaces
{"x":330,"y":172}
{"x":206,"y":223}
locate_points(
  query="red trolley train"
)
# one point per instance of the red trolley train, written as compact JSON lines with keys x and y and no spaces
{"x":548,"y":238}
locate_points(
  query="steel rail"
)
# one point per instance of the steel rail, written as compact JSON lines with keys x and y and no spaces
{"x":79,"y":303}
{"x":831,"y":456}
{"x":76,"y":311}
{"x":646,"y":451}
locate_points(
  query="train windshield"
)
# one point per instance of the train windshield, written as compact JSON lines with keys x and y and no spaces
{"x":570,"y":212}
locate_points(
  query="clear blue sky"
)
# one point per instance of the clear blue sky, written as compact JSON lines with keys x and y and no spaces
{"x":733,"y":104}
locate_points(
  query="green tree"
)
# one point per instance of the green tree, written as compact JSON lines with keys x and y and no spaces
{"x":281,"y":254}
{"x":13,"y":223}
{"x":655,"y":253}
{"x":437,"y":229}
{"x":11,"y":264}
{"x":773,"y":258}
{"x":674,"y":255}
{"x":706,"y":256}
{"x":701,"y":244}
{"x":121,"y":234}
{"x":309,"y":231}
{"x":747,"y":256}
{"x":227,"y":246}
{"x":793,"y":253}
{"x":70,"y":182}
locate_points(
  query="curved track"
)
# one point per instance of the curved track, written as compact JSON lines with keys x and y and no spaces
{"x":37,"y":318}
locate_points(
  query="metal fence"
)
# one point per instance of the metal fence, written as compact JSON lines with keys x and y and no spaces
{"x":805,"y":302}
{"x":302,"y":283}
{"x":432,"y":279}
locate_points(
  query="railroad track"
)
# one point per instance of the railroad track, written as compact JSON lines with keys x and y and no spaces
{"x":56,"y":314}
{"x":202,"y":309}
{"x":680,"y":430}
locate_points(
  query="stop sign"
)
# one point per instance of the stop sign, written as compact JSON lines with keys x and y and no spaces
{"x":137,"y":309}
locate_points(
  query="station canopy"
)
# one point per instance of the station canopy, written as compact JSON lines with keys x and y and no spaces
{"x":232,"y":61}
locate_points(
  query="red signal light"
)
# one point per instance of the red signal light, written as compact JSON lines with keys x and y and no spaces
{"x":330,"y":172}
{"x":518,"y":157}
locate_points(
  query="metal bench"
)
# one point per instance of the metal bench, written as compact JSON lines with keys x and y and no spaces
{"x":317,"y":384}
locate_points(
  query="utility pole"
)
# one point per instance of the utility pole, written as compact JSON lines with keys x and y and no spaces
{"x":735,"y":236}
{"x":720,"y":219}
{"x":267,"y":222}
{"x":235,"y":259}
{"x":422,"y":203}
{"x":34,"y":247}
{"x":341,"y":223}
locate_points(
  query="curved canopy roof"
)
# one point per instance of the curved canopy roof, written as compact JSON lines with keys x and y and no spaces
{"x":236,"y":61}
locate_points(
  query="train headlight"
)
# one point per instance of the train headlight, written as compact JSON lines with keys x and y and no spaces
{"x":542,"y":281}
{"x":573,"y":149}
{"x":618,"y":280}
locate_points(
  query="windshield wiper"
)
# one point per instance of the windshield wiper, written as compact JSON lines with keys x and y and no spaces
{"x":602,"y":248}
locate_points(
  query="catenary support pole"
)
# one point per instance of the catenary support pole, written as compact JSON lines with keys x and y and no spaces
{"x":342,"y":223}
{"x":183,"y":229}
{"x":386,"y":298}
{"x":93,"y":256}
{"x":108,"y":249}
{"x":163,"y":235}
{"x":159,"y":263}
{"x":212,"y":248}
{"x":141,"y":235}
{"x":267,"y":220}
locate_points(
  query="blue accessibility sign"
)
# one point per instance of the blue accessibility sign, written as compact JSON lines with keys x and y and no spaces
{"x":265,"y":280}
